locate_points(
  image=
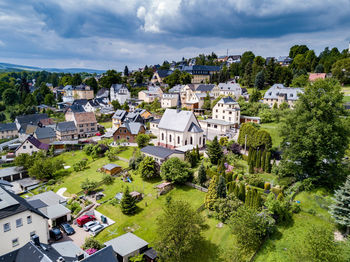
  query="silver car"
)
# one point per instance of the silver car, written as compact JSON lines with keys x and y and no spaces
{"x":96,"y":229}
{"x":87,"y":226}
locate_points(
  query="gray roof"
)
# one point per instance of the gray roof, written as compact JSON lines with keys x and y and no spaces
{"x":110,"y":166}
{"x":119,"y":114}
{"x":81,"y":102}
{"x":176,"y":120}
{"x":229,"y":86}
{"x":8,"y":127}
{"x":164,"y":73}
{"x":227,"y":100}
{"x":55,"y":211}
{"x":45,"y":132}
{"x":77,"y":108}
{"x":105,"y":254}
{"x":217,"y":122}
{"x":279,"y":90}
{"x":194,"y":128}
{"x":49,"y":198}
{"x":31,"y":119}
{"x":37,"y":203}
{"x":176,"y":89}
{"x":126,"y":244}
{"x":68,"y":249}
{"x":205,"y":88}
{"x":12,"y":170}
{"x":132,"y":127}
{"x":66,"y":126}
{"x":159,"y":151}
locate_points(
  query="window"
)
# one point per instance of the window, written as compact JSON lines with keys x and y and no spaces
{"x":125,"y":131}
{"x":185,"y":142}
{"x":191,"y":140}
{"x":24,"y":147}
{"x":178,"y":140}
{"x":208,"y":125}
{"x":7,"y":227}
{"x":81,"y":125}
{"x":81,"y":130}
{"x":216,"y":110}
{"x":118,"y":137}
{"x":223,"y":117}
{"x":200,"y":141}
{"x":215,"y":126}
{"x":30,"y":147}
{"x":169,"y":138}
{"x":162,"y":136}
{"x":92,"y":129}
{"x":15,"y":242}
{"x":29,"y":219}
{"x":19,"y":222}
{"x":92,"y":124}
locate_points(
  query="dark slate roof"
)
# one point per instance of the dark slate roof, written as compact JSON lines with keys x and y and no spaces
{"x":164,"y":73}
{"x":151,"y":253}
{"x":11,"y":204}
{"x":66,"y":126}
{"x":8,"y":127}
{"x":82,"y":87}
{"x":31,"y":119}
{"x":194,"y":128}
{"x":104,"y":92}
{"x":45,"y":132}
{"x":77,"y":108}
{"x":158,"y":151}
{"x":5,"y":183}
{"x":119,"y":114}
{"x":35,"y":142}
{"x":132,"y":127}
{"x":81,"y":102}
{"x":227,"y":100}
{"x":93,"y":103}
{"x":37,"y":203}
{"x":205,"y":88}
{"x":105,"y":254}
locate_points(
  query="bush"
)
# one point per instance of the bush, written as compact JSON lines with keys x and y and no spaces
{"x":92,"y":243}
{"x":107,"y":179}
{"x":175,"y":170}
{"x":254,"y":180}
{"x":74,"y":207}
{"x":267,"y":186}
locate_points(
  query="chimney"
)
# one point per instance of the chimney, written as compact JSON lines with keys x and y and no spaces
{"x":60,"y":259}
{"x":79,"y":256}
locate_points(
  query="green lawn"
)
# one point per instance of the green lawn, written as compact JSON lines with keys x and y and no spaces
{"x":273,"y":129}
{"x":127,"y":153}
{"x":277,"y":247}
{"x":346,"y":98}
{"x":106,"y":124}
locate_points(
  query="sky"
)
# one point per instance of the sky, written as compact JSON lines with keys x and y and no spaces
{"x":105,"y":34}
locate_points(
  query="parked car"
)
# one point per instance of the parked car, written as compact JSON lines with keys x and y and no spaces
{"x":55,"y":233}
{"x":96,"y":229}
{"x":67,"y":229}
{"x":84,"y":219}
{"x":87,"y":226}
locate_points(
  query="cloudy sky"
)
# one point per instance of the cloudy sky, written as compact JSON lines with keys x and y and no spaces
{"x":104,"y":34}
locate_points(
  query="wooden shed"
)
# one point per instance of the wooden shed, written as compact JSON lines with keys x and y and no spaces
{"x":111,"y":169}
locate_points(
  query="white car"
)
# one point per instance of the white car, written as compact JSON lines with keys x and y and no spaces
{"x":96,"y":229}
{"x":87,"y":226}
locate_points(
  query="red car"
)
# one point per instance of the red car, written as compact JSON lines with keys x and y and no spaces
{"x":84,"y":219}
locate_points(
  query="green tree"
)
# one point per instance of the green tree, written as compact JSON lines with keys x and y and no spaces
{"x":221,"y":187}
{"x":212,"y":194}
{"x":148,"y":168}
{"x":179,"y":231}
{"x":341,"y":70}
{"x":88,"y":185}
{"x":91,"y":81}
{"x":250,"y":227}
{"x":142,"y":140}
{"x":260,"y":80}
{"x":206,"y":103}
{"x":202,"y":175}
{"x":49,"y":99}
{"x":215,"y":151}
{"x":175,"y":170}
{"x":9,"y":96}
{"x":318,"y":246}
{"x":255,"y":96}
{"x":116,"y":105}
{"x":315,"y":136}
{"x":340,"y":209}
{"x":128,"y":203}
{"x":92,"y":243}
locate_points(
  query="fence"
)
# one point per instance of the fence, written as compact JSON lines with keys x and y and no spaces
{"x":203,"y":189}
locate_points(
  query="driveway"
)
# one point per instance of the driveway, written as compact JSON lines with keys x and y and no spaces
{"x":78,"y":238}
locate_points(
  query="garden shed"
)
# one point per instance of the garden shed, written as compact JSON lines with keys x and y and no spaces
{"x":111,"y":169}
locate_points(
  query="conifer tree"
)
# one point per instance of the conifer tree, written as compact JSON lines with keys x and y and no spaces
{"x":211,"y":195}
{"x":268,"y":162}
{"x":250,"y":155}
{"x":258,"y":159}
{"x":340,"y":210}
{"x":251,"y":168}
{"x":128,"y":203}
{"x":221,"y":188}
{"x":242,"y":192}
{"x":202,"y":175}
{"x":263,"y":159}
{"x":215,"y":151}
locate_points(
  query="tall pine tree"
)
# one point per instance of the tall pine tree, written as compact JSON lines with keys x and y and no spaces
{"x":128,"y":203}
{"x":202,"y":175}
{"x":215,"y":151}
{"x":211,"y":195}
{"x":221,"y":188}
{"x":340,"y":210}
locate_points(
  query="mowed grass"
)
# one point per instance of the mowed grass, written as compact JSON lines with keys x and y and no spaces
{"x":279,"y":245}
{"x":346,"y":99}
{"x":73,"y":181}
{"x":127,"y":154}
{"x":274,"y":130}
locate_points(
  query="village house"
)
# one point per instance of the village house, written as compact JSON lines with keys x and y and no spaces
{"x":161,"y":154}
{"x":111,"y":169}
{"x":103,"y":92}
{"x":204,"y":89}
{"x":66,"y":131}
{"x":120,"y":93}
{"x":178,"y":128}
{"x":225,"y":117}
{"x":8,"y":130}
{"x":45,"y":134}
{"x":176,"y":89}
{"x":279,"y":94}
{"x":160,"y":75}
{"x":169,"y":100}
{"x":19,"y":222}
{"x":128,"y":131}
{"x":149,"y":95}
{"x":201,"y":73}
{"x":154,"y":127}
{"x":118,"y":118}
{"x":34,"y":120}
{"x":84,"y":121}
{"x":68,"y":94}
{"x":31,"y":145}
{"x":227,"y":89}
{"x":83,"y":92}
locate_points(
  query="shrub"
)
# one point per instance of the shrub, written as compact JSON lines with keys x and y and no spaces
{"x":254,"y":180}
{"x":107,"y":179}
{"x":267,"y":186}
{"x":92,"y":243}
